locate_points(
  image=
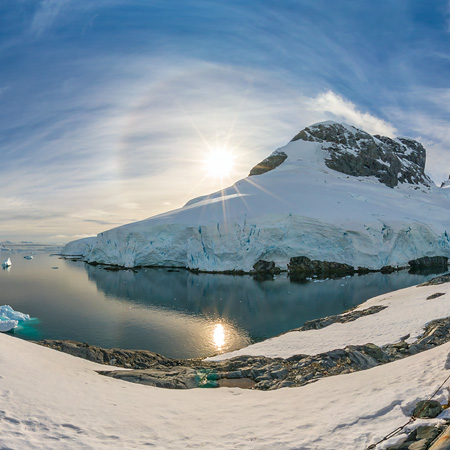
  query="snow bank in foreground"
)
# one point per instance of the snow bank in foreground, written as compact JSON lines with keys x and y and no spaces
{"x":72,"y":407}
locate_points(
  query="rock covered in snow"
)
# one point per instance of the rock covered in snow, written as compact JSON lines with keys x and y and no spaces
{"x":334,"y":193}
{"x":357,"y":153}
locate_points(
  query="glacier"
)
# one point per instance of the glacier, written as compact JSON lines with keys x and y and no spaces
{"x":334,"y":193}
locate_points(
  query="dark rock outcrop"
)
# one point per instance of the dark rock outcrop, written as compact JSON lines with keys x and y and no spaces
{"x":256,"y":372}
{"x":441,"y":279}
{"x":264,"y":270}
{"x":300,"y":267}
{"x":340,"y":318}
{"x":429,"y":261}
{"x":133,"y":359}
{"x":357,"y":153}
{"x":266,"y":165}
{"x":269,"y":267}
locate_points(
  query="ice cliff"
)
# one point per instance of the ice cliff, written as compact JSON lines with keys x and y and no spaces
{"x":333,"y":193}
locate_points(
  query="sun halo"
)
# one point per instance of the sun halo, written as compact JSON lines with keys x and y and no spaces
{"x":219,"y":163}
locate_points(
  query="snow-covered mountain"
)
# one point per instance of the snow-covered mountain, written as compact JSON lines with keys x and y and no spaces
{"x":333,"y":193}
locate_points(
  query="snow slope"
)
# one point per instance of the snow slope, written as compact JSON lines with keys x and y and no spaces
{"x":301,"y":207}
{"x":50,"y":400}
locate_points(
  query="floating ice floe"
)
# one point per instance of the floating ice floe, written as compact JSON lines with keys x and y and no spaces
{"x":9,"y":318}
{"x":28,"y":257}
{"x":7,"y":263}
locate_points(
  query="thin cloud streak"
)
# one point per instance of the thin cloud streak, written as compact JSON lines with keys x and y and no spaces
{"x":46,"y":15}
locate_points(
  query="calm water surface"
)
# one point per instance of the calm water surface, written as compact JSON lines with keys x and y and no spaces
{"x":175,"y":313}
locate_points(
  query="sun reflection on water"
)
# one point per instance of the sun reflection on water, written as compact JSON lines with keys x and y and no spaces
{"x":219,"y":336}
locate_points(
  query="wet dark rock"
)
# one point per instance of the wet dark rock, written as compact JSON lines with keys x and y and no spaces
{"x":266,"y":165}
{"x":357,"y":153}
{"x":427,"y":409}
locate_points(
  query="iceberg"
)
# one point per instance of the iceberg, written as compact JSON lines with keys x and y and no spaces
{"x":7,"y":263}
{"x":7,"y":325}
{"x":9,"y":318}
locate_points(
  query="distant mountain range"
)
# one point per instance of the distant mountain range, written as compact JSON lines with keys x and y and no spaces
{"x":334,"y":193}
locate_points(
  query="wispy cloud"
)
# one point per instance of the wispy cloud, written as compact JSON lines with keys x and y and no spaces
{"x":138,"y":145}
{"x":426,"y":118}
{"x":109,"y":120}
{"x":46,"y":14}
{"x":344,"y":110}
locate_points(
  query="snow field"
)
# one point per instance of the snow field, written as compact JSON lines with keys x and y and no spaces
{"x":52,"y":400}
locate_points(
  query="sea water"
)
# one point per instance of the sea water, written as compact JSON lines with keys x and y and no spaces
{"x":173,"y":312}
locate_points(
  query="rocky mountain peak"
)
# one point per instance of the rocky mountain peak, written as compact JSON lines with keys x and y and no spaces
{"x":354,"y":152}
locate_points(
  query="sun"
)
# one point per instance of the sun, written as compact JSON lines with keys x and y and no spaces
{"x":219,"y":163}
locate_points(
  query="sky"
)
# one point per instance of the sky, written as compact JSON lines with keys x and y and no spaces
{"x":110,"y":109}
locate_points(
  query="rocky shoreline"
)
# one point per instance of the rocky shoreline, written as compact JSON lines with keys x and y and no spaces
{"x":300,"y":268}
{"x":259,"y":372}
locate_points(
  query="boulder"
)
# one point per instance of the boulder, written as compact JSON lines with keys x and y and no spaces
{"x":266,"y":267}
{"x":427,"y":409}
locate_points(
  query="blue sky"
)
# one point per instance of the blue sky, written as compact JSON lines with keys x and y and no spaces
{"x":109,"y":108}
